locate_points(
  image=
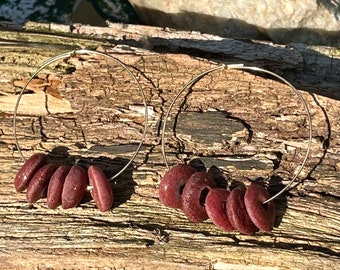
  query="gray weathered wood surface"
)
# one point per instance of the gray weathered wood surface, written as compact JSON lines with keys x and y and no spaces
{"x":244,"y":124}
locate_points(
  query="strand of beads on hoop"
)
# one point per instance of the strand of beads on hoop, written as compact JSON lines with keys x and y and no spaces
{"x":66,"y":180}
{"x":246,"y":209}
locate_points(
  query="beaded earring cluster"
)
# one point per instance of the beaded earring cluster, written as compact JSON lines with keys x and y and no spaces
{"x":62,"y":185}
{"x":245,"y":209}
{"x":67,"y":185}
{"x":196,"y":193}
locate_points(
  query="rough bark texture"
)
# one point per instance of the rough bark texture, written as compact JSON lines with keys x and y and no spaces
{"x":239,"y":124}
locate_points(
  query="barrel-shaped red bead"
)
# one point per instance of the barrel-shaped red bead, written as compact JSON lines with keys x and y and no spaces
{"x":262,"y":215}
{"x":193,"y":197}
{"x":55,"y":187}
{"x":27,"y":171}
{"x":38,"y":185}
{"x":215,"y":205}
{"x":172,"y":184}
{"x":74,"y":187}
{"x":237,"y":212}
{"x":101,"y":190}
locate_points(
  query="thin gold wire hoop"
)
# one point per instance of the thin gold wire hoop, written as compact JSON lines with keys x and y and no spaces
{"x":242,"y":67}
{"x":69,"y":55}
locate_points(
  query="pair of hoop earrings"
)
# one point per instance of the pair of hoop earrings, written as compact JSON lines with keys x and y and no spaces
{"x":196,"y":193}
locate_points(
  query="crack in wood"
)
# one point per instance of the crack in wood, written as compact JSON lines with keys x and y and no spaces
{"x":306,"y":232}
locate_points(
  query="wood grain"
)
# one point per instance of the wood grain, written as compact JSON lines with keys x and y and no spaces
{"x":240,"y":125}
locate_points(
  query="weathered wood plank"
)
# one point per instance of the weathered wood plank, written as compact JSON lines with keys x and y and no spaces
{"x":99,"y":119}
